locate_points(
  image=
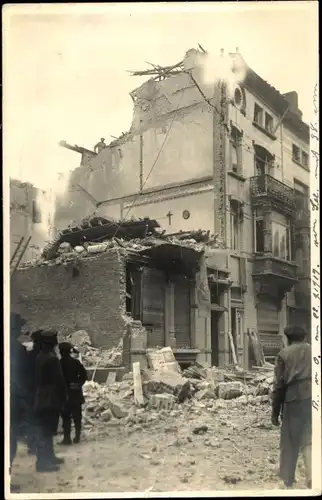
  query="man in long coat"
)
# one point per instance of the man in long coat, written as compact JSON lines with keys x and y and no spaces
{"x":50,"y":398}
{"x":30,"y":380}
{"x":292,"y":399}
{"x":75,"y":377}
{"x":18,"y":393}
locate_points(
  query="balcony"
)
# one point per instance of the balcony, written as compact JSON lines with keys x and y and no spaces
{"x":274,"y":276}
{"x":265,"y":188}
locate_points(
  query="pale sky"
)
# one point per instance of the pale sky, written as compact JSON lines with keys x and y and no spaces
{"x":65,"y":69}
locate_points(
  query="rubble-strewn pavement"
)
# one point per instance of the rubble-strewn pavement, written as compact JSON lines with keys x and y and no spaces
{"x":220,"y":437}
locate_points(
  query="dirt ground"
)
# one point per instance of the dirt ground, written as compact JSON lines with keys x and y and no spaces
{"x":237,"y":451}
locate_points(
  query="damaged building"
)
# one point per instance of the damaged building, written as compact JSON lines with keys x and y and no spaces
{"x":139,"y":287}
{"x":232,"y":162}
{"x":27,"y":219}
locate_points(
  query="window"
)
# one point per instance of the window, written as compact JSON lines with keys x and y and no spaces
{"x":305,"y":159}
{"x":36,"y":213}
{"x":215,"y":295}
{"x":238,"y":97}
{"x":281,"y":241}
{"x":234,"y":226}
{"x":237,"y":329}
{"x":258,"y":115}
{"x":264,"y":161}
{"x":259,"y":235}
{"x":236,"y":150}
{"x":301,"y":199}
{"x":268,"y":123}
{"x":234,"y":158}
{"x":296,"y":153}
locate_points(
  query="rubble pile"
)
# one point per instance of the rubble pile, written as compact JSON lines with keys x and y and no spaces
{"x":168,"y":393}
{"x":93,"y":357}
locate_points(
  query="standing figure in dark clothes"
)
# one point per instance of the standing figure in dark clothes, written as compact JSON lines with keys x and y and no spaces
{"x":292,"y":398}
{"x":18,"y":395}
{"x":75,"y":377}
{"x":50,"y":398}
{"x":30,"y":377}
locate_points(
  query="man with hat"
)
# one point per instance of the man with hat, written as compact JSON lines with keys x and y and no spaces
{"x":75,"y":377}
{"x":292,"y":399}
{"x":50,"y":397}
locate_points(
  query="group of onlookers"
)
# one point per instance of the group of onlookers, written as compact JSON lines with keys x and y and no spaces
{"x":46,"y":381}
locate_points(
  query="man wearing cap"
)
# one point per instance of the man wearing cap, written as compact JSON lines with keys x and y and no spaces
{"x":51,"y":395}
{"x":292,"y":399}
{"x":75,"y":377}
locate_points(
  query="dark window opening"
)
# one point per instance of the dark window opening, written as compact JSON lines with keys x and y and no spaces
{"x":236,"y":150}
{"x":305,"y":159}
{"x":259,"y":235}
{"x":258,"y":115}
{"x":268,"y":123}
{"x":296,"y":153}
{"x":129,"y":289}
{"x":215,"y":295}
{"x":134,"y":292}
{"x":238,"y":97}
{"x":36,"y":213}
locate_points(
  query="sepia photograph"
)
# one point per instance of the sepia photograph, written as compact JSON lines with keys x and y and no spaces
{"x":161,"y":249}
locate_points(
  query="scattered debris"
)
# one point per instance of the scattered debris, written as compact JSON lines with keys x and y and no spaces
{"x":202,"y":429}
{"x":166,"y":394}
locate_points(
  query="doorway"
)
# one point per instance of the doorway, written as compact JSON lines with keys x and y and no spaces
{"x":215,"y":315}
{"x":233,"y":312}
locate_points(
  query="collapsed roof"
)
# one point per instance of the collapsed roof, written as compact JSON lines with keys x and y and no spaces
{"x":97,"y":229}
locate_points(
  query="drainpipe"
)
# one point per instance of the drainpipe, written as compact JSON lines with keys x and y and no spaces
{"x":141,"y":158}
{"x":282,"y":157}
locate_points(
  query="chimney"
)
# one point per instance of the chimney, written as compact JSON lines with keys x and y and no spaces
{"x":292,"y":99}
{"x":191,"y":59}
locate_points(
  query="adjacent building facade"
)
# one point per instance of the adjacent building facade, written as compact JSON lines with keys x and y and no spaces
{"x":27,"y":219}
{"x":231,"y":160}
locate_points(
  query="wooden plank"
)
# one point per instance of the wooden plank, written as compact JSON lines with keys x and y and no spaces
{"x":138,"y":393}
{"x":95,"y":369}
{"x":232,"y":347}
{"x":111,"y":377}
{"x":256,"y":348}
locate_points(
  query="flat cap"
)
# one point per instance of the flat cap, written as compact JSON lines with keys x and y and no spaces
{"x":36,"y":335}
{"x":49,"y":336}
{"x":66,"y":346}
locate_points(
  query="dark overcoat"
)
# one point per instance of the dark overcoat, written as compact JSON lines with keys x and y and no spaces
{"x":51,"y":392}
{"x":75,"y":377}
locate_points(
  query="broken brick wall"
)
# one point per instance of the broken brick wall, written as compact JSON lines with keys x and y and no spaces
{"x":50,"y":297}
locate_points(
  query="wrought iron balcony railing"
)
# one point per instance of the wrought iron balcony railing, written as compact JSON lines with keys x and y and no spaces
{"x":266,"y":186}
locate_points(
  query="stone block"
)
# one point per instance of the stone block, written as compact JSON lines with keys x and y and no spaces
{"x":117,"y":409}
{"x":106,"y":415}
{"x":162,"y":402}
{"x":230,"y":390}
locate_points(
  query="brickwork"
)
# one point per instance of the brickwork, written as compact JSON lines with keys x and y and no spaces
{"x":49,"y":296}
